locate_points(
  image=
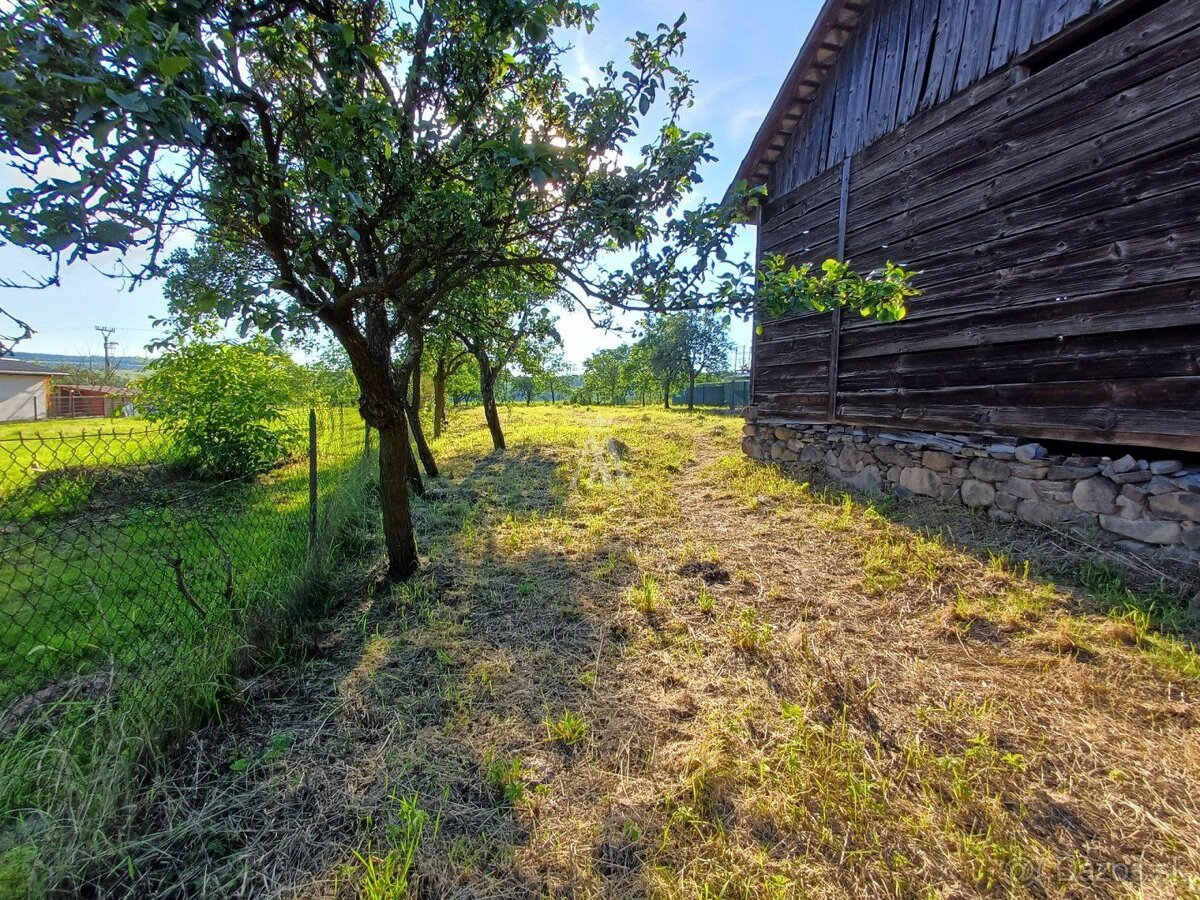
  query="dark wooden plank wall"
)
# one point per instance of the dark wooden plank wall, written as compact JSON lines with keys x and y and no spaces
{"x":1056,"y":223}
{"x":906,"y":57}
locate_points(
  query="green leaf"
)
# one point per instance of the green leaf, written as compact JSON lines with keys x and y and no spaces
{"x":134,"y":101}
{"x":102,"y":129}
{"x":170,"y":66}
{"x":536,"y":30}
{"x":110,"y":233}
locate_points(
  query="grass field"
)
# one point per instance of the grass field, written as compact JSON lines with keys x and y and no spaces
{"x":637,"y":665}
{"x":47,"y":428}
{"x":98,"y":525}
{"x":28,"y":454}
{"x":30,"y":451}
{"x":124,"y":600}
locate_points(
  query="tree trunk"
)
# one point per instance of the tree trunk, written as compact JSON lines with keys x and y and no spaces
{"x":414,"y":473}
{"x":415,"y":388}
{"x":413,"y":412}
{"x":382,"y":394}
{"x":487,"y":390}
{"x":666,"y":396}
{"x":418,"y":432}
{"x":439,"y":398}
{"x":394,"y":463}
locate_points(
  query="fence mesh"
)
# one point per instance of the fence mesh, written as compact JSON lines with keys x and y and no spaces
{"x":115,"y":559}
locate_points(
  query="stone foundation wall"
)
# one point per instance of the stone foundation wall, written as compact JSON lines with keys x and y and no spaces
{"x":1149,"y":507}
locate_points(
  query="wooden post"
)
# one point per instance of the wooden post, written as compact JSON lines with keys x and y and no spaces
{"x":312,"y":477}
{"x":759,"y":221}
{"x":835,"y":336}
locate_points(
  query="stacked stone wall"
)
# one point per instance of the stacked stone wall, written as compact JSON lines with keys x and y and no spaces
{"x":1142,"y":505}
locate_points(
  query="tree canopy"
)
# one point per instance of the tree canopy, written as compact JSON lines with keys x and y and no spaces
{"x":681,"y":346}
{"x":604,"y":375}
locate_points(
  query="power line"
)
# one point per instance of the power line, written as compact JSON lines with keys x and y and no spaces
{"x":107,"y":331}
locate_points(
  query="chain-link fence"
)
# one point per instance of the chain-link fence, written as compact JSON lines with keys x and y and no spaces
{"x":117,"y":561}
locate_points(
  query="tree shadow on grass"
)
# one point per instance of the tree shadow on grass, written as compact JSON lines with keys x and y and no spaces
{"x":439,"y":689}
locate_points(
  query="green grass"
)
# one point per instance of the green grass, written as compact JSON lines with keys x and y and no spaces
{"x":749,"y":634}
{"x":102,"y":655}
{"x":30,"y":456}
{"x":95,"y":584}
{"x":646,"y":597}
{"x":51,"y":428}
{"x":860,"y":708}
{"x":507,"y":777}
{"x":569,"y":729}
{"x":386,"y":872}
{"x":54,"y":463}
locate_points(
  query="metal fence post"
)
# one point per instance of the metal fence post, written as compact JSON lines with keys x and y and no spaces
{"x":312,"y":477}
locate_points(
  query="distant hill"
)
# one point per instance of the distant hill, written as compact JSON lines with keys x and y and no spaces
{"x":50,"y":360}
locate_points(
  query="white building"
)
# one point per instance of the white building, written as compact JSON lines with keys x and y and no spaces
{"x":24,"y":390}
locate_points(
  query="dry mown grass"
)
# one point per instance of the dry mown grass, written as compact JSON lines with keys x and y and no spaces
{"x":637,"y":664}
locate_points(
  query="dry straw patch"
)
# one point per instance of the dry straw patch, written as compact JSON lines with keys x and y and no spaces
{"x":638,"y":664}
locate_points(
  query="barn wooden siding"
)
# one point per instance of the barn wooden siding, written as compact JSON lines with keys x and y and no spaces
{"x":1056,"y":222}
{"x":904,"y":57}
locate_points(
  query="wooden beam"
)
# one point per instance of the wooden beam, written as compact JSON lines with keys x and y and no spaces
{"x":760,"y":218}
{"x":835,"y":337}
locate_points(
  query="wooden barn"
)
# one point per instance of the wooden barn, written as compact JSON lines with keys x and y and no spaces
{"x":1039,"y":162}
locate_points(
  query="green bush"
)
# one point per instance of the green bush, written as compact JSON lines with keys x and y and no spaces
{"x":223,"y":403}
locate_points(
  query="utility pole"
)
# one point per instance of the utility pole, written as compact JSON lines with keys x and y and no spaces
{"x":108,"y":345}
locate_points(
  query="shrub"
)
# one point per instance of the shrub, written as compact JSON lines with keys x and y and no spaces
{"x":223,"y":404}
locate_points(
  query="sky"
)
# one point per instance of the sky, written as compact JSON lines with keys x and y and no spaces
{"x":738,"y":52}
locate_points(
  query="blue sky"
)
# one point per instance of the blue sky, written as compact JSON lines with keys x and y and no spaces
{"x":739,"y":53}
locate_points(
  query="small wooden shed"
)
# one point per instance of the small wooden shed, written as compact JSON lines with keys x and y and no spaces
{"x":1039,"y":162}
{"x":78,"y":401}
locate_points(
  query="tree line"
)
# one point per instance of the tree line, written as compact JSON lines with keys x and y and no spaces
{"x":674,"y":351}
